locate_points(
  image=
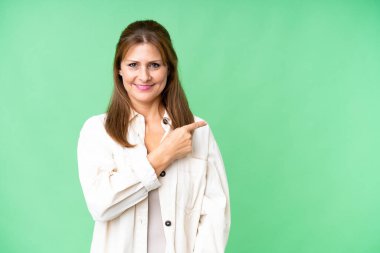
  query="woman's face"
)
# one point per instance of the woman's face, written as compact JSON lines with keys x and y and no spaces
{"x":144,"y":74}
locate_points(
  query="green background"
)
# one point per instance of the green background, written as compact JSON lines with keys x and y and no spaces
{"x":290,"y":89}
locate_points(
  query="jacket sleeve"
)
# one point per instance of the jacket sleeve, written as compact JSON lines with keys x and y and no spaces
{"x":109,"y":190}
{"x":214,"y":223}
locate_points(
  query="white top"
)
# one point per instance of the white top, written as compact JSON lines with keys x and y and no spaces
{"x":156,"y":236}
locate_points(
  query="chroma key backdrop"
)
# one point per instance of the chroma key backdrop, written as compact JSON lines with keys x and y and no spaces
{"x":290,"y":88}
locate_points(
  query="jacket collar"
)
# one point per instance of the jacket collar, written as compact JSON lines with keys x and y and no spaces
{"x":165,"y":122}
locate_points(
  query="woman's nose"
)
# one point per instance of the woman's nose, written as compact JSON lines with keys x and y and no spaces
{"x":144,"y":75}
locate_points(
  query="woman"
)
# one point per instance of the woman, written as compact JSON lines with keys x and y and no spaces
{"x":151,"y":173}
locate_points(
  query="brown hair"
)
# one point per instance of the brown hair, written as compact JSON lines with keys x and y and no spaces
{"x":173,"y":96}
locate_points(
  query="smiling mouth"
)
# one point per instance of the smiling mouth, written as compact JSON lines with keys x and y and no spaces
{"x":144,"y":87}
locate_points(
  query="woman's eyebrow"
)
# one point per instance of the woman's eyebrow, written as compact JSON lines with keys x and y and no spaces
{"x":138,"y":61}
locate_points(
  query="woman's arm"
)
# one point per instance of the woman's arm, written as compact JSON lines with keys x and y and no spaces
{"x":214,"y":223}
{"x":110,"y":190}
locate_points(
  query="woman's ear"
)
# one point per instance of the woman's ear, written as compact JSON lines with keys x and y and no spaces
{"x":120,"y":72}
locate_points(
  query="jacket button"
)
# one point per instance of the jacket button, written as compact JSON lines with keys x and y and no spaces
{"x":166,"y":121}
{"x":168,"y":223}
{"x":163,"y":173}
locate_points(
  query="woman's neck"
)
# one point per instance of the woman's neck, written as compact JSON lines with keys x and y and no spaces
{"x":152,"y":112}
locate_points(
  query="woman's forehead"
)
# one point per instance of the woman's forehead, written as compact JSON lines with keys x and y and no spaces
{"x":145,"y":51}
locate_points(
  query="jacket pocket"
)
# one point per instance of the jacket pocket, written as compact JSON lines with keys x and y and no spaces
{"x":191,"y":183}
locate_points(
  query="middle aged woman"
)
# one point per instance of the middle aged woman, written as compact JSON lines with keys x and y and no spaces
{"x":151,"y":173}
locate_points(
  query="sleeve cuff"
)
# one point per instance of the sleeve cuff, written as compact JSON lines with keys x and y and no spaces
{"x":145,"y":172}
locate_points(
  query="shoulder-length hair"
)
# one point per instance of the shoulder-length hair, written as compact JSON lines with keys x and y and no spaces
{"x":173,"y":96}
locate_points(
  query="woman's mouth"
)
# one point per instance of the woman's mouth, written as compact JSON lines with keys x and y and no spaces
{"x":143,"y":87}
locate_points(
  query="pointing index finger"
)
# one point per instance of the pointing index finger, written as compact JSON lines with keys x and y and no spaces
{"x":191,"y":127}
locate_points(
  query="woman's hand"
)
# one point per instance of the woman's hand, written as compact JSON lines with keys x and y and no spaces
{"x":177,"y":144}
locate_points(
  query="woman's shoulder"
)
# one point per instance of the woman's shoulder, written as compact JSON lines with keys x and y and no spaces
{"x":201,"y":137}
{"x":205,"y":129}
{"x":205,"y":133}
{"x":94,"y":123}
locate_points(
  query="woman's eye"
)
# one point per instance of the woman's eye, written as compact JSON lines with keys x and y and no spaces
{"x":155,"y":65}
{"x":132,"y":65}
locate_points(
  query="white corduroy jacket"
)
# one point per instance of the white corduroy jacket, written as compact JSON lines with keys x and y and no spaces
{"x":193,"y":191}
